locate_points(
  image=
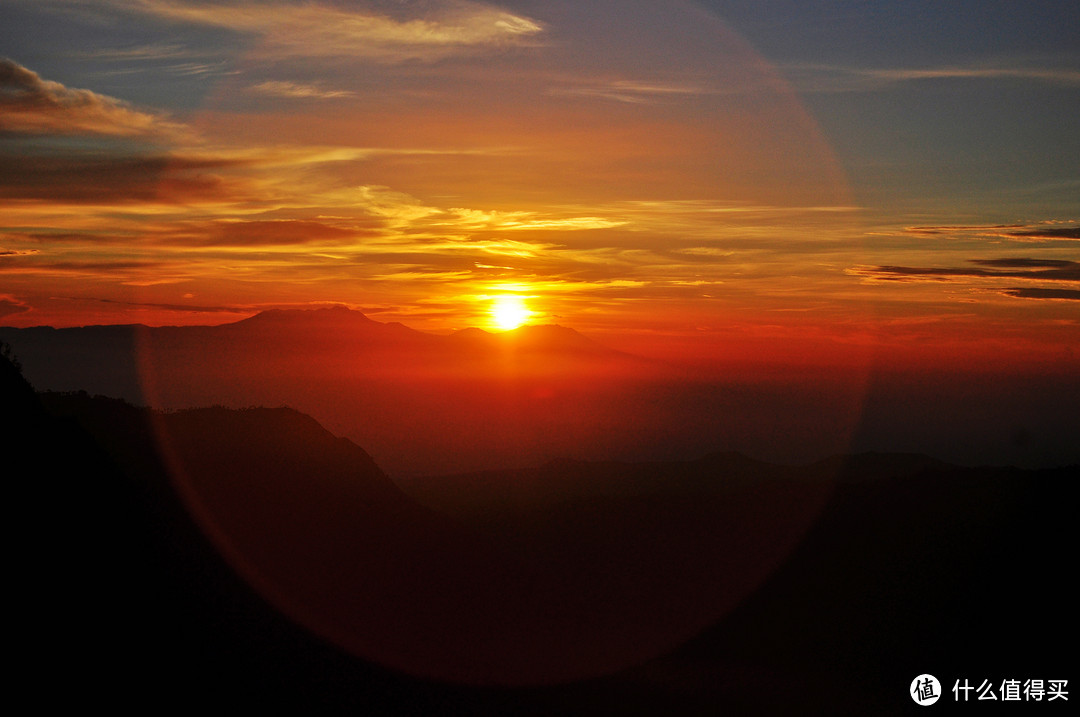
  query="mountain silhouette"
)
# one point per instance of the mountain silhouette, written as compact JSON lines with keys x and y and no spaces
{"x":314,"y":328}
{"x":222,"y":554}
{"x":531,"y":596}
{"x":483,"y":400}
{"x":113,"y":360}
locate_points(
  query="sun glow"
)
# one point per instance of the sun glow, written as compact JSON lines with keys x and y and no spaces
{"x":509,"y":312}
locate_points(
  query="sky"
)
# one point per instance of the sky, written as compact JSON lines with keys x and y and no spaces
{"x":726,"y":179}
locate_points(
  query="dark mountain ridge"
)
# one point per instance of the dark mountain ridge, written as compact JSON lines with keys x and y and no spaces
{"x":520,"y":398}
{"x":331,"y":324}
{"x":115,"y":360}
{"x":480,"y":398}
{"x":830,"y":586}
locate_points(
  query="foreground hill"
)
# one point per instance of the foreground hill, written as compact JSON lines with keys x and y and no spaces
{"x":823,"y":588}
{"x":596,"y":581}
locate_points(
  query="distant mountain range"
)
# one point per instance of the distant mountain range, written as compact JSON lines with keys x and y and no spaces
{"x":721,"y":583}
{"x":424,"y":403}
{"x":115,"y":360}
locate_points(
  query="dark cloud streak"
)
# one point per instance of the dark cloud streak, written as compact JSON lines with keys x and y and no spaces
{"x":109,"y":178}
{"x":172,"y":307}
{"x":1018,"y":232}
{"x":1041,"y":269}
{"x":1023,"y":263}
{"x":269,"y":233}
{"x":1057,"y":233}
{"x":1035,"y":293}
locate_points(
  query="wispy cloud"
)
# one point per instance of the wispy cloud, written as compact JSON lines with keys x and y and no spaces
{"x":1046,"y":231}
{"x":523,"y":220}
{"x":255,"y":233}
{"x":1024,"y":268}
{"x":953,"y":229}
{"x":363,"y":29}
{"x":165,"y":51}
{"x":12,"y":305}
{"x":402,"y":210}
{"x":629,"y":91}
{"x":990,"y":274}
{"x":298,"y":91}
{"x":1041,"y":268}
{"x":836,"y":78}
{"x":30,"y":105}
{"x":201,"y":309}
{"x":170,"y":58}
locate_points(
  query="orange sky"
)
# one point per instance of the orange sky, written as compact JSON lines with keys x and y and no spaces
{"x":633,"y":170}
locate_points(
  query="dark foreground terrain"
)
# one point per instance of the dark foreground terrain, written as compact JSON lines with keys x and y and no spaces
{"x":716,"y":586}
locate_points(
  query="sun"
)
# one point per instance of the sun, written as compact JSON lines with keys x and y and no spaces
{"x":509,"y":312}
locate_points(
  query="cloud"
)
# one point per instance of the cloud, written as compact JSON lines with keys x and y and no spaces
{"x":168,"y":57}
{"x":299,"y":91}
{"x":1026,"y":268}
{"x":313,"y":29}
{"x":474,"y":219}
{"x":10,"y":305}
{"x":1036,"y":269}
{"x":403,"y":211}
{"x":133,"y":272}
{"x":1049,"y":233}
{"x":112,"y":179}
{"x":199,"y":174}
{"x":835,"y":78}
{"x":630,"y":92}
{"x":1063,"y":76}
{"x":985,"y":229}
{"x":30,"y":105}
{"x":1023,"y":263}
{"x":171,"y":307}
{"x":1034,"y":293}
{"x":1051,"y":230}
{"x":166,"y":51}
{"x":257,"y":233}
{"x":397,"y":207}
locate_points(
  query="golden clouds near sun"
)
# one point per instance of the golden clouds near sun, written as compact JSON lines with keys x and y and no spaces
{"x":509,"y":312}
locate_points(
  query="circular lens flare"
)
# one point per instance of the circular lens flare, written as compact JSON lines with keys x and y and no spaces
{"x":509,"y":312}
{"x":356,"y":563}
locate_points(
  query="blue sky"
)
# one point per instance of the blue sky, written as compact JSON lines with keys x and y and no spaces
{"x":970,"y":105}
